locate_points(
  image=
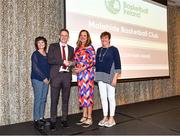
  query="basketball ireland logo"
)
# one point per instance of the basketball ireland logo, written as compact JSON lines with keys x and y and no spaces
{"x":113,"y":6}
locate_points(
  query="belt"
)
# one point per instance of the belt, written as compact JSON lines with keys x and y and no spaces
{"x":64,"y":72}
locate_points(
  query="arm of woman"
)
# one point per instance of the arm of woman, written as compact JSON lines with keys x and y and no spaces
{"x":114,"y":81}
{"x":117,"y":62}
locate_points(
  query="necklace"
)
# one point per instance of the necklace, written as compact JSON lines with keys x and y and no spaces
{"x":101,"y":56}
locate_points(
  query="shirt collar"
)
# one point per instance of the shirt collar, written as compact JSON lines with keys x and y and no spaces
{"x":61,"y":44}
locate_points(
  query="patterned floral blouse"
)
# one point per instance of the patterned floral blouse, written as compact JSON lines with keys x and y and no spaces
{"x":85,"y":57}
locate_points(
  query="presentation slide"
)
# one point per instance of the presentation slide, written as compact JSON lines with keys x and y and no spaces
{"x":138,"y":29}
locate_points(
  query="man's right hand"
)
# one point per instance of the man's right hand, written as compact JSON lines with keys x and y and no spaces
{"x":67,"y":63}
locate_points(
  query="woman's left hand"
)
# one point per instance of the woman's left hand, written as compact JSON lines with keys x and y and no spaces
{"x":46,"y":81}
{"x":114,"y":82}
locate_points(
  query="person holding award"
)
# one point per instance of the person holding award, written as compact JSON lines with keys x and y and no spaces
{"x":59,"y":56}
{"x":84,"y":58}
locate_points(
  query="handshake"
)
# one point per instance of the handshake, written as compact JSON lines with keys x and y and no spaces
{"x":71,"y":66}
{"x":69,"y":63}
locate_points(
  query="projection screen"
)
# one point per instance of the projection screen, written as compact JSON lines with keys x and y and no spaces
{"x":138,"y":28}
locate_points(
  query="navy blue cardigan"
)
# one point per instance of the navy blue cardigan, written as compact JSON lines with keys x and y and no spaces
{"x":104,"y":63}
{"x":40,"y":67}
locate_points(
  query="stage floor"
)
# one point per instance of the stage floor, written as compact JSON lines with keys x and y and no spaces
{"x":155,"y":117}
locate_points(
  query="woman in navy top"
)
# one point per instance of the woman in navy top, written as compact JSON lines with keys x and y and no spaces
{"x":40,"y":81}
{"x":108,"y":66}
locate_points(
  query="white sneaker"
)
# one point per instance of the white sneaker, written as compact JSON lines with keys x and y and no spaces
{"x":107,"y":124}
{"x":102,"y":123}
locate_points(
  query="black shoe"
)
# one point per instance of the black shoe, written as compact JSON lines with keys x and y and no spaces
{"x":53,"y":126}
{"x":46,"y":123}
{"x":39,"y":125}
{"x":64,"y":124}
{"x":43,"y":121}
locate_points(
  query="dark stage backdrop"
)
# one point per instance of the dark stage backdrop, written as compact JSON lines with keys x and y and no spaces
{"x":23,"y":20}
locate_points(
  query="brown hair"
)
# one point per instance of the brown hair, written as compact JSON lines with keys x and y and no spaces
{"x":40,"y":38}
{"x":88,"y":42}
{"x":105,"y":34}
{"x":64,"y":29}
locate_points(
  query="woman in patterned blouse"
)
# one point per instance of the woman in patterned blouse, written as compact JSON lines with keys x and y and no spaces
{"x":85,"y":61}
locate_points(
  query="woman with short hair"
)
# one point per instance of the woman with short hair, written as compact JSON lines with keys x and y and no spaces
{"x":108,"y":67}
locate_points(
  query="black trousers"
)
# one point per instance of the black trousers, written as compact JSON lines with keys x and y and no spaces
{"x":62,"y":82}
